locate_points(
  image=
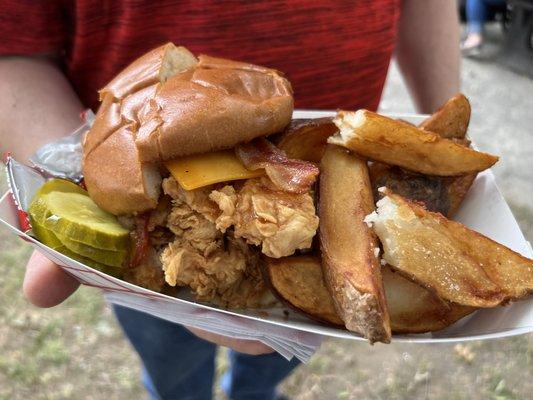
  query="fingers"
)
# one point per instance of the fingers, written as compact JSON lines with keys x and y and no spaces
{"x":251,"y":347}
{"x":46,"y":284}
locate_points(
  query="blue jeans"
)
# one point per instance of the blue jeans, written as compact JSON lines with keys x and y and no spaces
{"x":180,"y":366}
{"x":477,"y":11}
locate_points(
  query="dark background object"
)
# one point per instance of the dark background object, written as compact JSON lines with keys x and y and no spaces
{"x":517,"y":50}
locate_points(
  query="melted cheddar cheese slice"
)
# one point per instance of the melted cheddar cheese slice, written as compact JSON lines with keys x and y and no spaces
{"x":200,"y":170}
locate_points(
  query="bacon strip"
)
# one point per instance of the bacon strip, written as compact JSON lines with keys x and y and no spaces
{"x":294,"y":176}
{"x":141,"y":240}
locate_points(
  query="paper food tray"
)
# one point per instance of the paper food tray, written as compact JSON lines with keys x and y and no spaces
{"x":484,"y":210}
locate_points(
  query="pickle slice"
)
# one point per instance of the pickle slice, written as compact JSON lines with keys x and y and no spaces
{"x":60,"y":185}
{"x":106,"y":269}
{"x":45,"y":236}
{"x":76,"y":217}
{"x":113,"y":258}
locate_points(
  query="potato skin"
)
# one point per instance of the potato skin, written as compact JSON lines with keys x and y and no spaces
{"x":306,"y":139}
{"x":451,"y":120}
{"x":351,"y":268}
{"x":298,"y":282}
{"x":395,"y":142}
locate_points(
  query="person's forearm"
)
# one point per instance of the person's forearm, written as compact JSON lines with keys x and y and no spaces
{"x":37,"y":105}
{"x":428,"y":51}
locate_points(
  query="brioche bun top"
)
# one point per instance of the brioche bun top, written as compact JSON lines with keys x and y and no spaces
{"x":169,"y":104}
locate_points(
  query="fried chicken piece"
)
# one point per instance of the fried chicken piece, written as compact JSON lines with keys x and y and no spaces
{"x":217,"y":267}
{"x":148,"y":274}
{"x":278,"y":221}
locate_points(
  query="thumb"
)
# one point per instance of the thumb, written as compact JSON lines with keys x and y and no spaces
{"x":45,"y":283}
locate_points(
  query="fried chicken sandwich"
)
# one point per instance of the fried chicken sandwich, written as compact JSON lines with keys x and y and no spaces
{"x":178,"y":152}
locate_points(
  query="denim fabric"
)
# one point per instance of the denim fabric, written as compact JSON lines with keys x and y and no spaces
{"x":477,"y":11}
{"x":180,"y":366}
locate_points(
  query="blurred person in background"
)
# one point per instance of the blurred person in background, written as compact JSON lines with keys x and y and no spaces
{"x":55,"y":55}
{"x":477,"y":13}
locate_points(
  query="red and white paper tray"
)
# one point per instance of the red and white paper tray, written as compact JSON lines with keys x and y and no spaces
{"x":290,"y":333}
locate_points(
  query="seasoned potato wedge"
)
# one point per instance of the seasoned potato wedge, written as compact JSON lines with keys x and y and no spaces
{"x":349,"y":259}
{"x":430,"y":190}
{"x":298,"y":282}
{"x":306,"y":139}
{"x":414,"y":309}
{"x":451,"y":120}
{"x":395,"y":142}
{"x":439,"y":194}
{"x":458,"y":264}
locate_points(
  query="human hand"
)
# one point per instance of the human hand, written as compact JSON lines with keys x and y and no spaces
{"x":251,"y":347}
{"x":45,"y":283}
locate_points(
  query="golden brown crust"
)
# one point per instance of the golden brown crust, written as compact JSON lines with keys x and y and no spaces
{"x":298,"y":282}
{"x":174,"y":105}
{"x":108,"y":119}
{"x":439,"y":194}
{"x":149,"y":69}
{"x":115,"y":178}
{"x":459,"y":264}
{"x":306,"y":139}
{"x":458,"y":187}
{"x":451,"y":120}
{"x":349,"y":259}
{"x":398,"y":143}
{"x":222,"y":103}
{"x":414,"y":309}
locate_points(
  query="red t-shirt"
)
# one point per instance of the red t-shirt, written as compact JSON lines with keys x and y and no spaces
{"x":335,"y":53}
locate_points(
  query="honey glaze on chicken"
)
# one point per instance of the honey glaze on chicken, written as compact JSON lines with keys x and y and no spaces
{"x":217,"y":229}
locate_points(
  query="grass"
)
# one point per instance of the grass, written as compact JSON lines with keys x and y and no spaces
{"x":77,"y":351}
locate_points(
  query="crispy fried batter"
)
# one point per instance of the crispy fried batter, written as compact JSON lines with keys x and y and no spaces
{"x":149,"y":273}
{"x":277,"y":221}
{"x":216,"y":266}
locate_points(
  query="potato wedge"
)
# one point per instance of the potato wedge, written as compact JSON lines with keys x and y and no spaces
{"x":458,"y":187}
{"x":349,"y":259}
{"x":460,"y":265}
{"x":414,"y":309}
{"x":451,"y":120}
{"x":438,"y":193}
{"x":395,"y":142}
{"x":306,"y":139}
{"x":299,"y":283}
{"x":430,"y":190}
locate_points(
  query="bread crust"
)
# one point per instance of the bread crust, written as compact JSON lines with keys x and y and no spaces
{"x":173,"y":105}
{"x":147,"y":70}
{"x":116,"y":180}
{"x":349,"y":260}
{"x":215,"y":106}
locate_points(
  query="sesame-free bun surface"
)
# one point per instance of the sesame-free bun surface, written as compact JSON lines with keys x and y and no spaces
{"x":169,"y":104}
